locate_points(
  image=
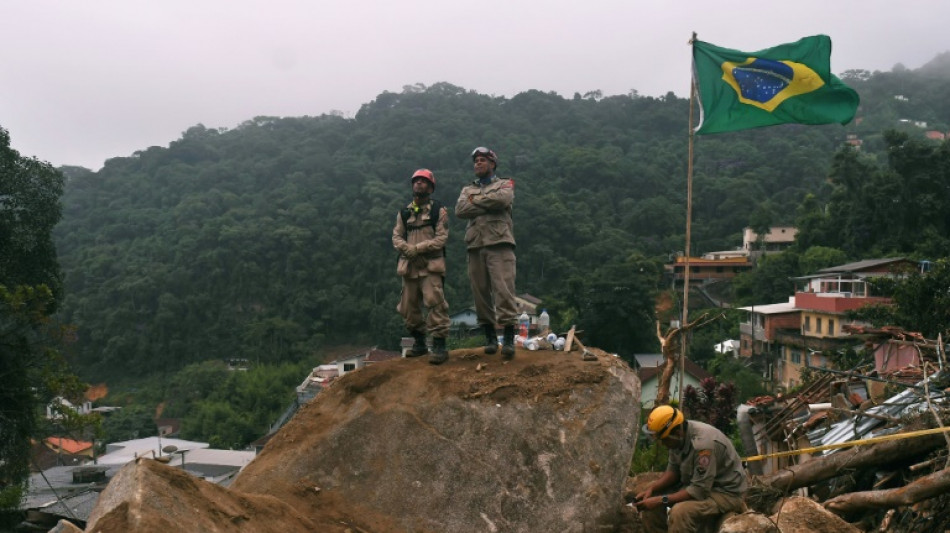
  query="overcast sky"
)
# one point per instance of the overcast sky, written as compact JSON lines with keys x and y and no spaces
{"x":82,"y":81}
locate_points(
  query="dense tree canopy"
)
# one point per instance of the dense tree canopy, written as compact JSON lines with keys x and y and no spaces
{"x":31,"y":369}
{"x":271,"y":240}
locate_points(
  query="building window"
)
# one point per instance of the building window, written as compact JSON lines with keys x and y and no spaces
{"x":818,"y":325}
{"x":348,"y":367}
{"x":831,"y":326}
{"x":795,"y":356}
{"x":807,"y":323}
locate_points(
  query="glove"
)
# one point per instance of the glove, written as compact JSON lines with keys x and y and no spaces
{"x":411,"y":252}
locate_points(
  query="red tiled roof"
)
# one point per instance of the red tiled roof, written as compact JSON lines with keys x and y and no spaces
{"x":68,"y":445}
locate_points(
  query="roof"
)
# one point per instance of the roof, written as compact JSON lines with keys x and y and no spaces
{"x":700,"y":261}
{"x":68,"y":445}
{"x":376,"y":356}
{"x":867,"y":264}
{"x":773,"y":309}
{"x":44,"y":487}
{"x":649,"y":372}
{"x":213,"y":456}
{"x":123,"y":452}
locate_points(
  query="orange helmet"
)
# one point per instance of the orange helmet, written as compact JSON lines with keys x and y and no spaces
{"x":662,"y":421}
{"x":425,"y":174}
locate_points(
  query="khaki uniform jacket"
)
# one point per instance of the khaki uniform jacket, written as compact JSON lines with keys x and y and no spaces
{"x":708,"y":462}
{"x":488,"y":211}
{"x":429,"y":242}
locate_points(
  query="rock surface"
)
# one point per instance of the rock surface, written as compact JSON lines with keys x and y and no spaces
{"x":803,"y":515}
{"x":541,"y":443}
{"x":149,"y":496}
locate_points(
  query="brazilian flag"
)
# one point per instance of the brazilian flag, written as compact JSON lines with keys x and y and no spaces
{"x":790,"y":83}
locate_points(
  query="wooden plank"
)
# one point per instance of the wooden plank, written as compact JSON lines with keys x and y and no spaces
{"x":569,"y":342}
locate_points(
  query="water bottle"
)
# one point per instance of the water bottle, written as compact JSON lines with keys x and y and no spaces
{"x":544,"y":320}
{"x":523,"y":323}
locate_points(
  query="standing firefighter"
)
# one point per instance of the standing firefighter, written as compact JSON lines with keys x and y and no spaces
{"x":486,"y":204}
{"x":703,"y":480}
{"x":420,"y":235}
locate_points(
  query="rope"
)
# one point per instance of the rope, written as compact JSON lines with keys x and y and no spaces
{"x":873,"y":440}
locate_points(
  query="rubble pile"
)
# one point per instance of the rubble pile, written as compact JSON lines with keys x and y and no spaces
{"x":869,"y":446}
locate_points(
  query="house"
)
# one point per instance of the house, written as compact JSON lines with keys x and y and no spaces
{"x":778,"y":239}
{"x":896,"y":350}
{"x":319,"y":378}
{"x":703,"y":270}
{"x":58,"y":404}
{"x":378,"y":356}
{"x":465,"y":318}
{"x":792,"y":336}
{"x":362,"y":358}
{"x":758,"y":335}
{"x":650,"y":366}
{"x":528,"y":304}
{"x":726,"y":254}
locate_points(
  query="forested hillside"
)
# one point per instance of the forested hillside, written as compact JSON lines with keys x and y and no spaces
{"x":271,"y":240}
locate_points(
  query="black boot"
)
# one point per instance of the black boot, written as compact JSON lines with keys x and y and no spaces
{"x":491,"y":339}
{"x":508,"y":346}
{"x":439,"y":354}
{"x":419,"y":347}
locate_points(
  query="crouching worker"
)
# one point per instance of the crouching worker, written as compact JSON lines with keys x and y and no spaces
{"x":703,"y":480}
{"x":420,"y":235}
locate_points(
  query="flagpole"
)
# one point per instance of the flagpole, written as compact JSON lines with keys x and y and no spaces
{"x":689,"y":216}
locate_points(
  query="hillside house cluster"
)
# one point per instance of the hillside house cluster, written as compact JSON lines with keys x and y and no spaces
{"x":786,"y":337}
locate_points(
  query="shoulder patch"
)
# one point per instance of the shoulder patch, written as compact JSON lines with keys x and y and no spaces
{"x":702,"y":459}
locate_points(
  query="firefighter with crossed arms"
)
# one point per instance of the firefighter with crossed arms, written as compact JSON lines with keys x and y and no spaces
{"x":485,"y":204}
{"x":704,"y":478}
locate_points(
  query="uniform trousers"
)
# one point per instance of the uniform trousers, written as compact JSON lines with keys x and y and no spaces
{"x":692,"y":515}
{"x":491,"y":271}
{"x":424,"y":291}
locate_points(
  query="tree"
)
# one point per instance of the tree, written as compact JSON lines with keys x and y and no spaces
{"x":32,"y":370}
{"x":921,"y":301}
{"x":132,"y":422}
{"x":29,"y":209}
{"x":713,"y":402}
{"x":771,"y":281}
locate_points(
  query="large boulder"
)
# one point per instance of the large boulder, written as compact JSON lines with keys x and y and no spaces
{"x":542,"y":443}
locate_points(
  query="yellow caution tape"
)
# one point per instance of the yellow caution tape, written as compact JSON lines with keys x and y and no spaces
{"x":873,"y":440}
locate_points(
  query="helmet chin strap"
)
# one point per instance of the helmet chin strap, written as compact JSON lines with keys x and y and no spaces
{"x":421,"y":196}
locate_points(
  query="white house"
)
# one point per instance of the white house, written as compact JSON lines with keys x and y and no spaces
{"x":649,"y":367}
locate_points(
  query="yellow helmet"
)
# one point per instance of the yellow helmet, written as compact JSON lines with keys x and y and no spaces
{"x":662,"y":420}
